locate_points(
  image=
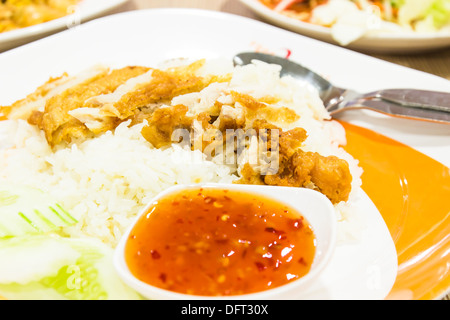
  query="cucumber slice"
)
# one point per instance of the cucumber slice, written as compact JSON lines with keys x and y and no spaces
{"x":90,"y":276}
{"x":26,"y":259}
{"x":26,"y":210}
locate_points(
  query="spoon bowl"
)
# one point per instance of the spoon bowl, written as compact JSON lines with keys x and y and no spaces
{"x":326,"y":90}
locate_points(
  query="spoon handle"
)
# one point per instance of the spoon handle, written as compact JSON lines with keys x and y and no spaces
{"x":423,"y":99}
{"x":396,"y":110}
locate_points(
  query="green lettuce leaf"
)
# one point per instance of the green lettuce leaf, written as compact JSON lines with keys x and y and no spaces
{"x":439,"y":13}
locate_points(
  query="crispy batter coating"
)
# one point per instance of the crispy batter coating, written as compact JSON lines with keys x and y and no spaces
{"x":165,"y":85}
{"x":262,"y":109}
{"x":77,"y":112}
{"x":297,"y":168}
{"x":56,"y":121}
{"x":162,"y":124}
{"x":329,"y":175}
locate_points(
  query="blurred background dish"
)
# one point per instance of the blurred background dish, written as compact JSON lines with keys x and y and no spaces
{"x":21,"y":22}
{"x":17,"y":14}
{"x":362,"y":31}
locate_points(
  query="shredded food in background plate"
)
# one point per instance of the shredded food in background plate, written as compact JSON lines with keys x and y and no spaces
{"x":16,"y":14}
{"x":351,"y":19}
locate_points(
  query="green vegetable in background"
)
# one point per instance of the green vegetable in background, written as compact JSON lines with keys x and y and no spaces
{"x":439,"y":13}
{"x":428,"y":15}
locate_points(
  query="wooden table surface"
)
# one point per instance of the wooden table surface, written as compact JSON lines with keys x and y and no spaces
{"x":436,"y":62}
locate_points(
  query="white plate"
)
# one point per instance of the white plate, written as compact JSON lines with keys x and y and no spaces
{"x":86,"y":10}
{"x":407,"y":42}
{"x":362,"y":270}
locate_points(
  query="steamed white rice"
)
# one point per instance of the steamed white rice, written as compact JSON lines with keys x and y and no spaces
{"x":104,"y":182}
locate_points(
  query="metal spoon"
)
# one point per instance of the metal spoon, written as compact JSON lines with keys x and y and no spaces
{"x":405,"y":103}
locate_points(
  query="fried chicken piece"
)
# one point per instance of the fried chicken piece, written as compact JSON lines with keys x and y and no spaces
{"x":250,"y":176}
{"x":163,"y":122}
{"x":230,"y":118}
{"x":297,"y":168}
{"x":291,"y":140}
{"x":262,"y":125}
{"x":332,"y":177}
{"x":286,"y":142}
{"x":35,"y":101}
{"x":261,"y":108}
{"x":56,"y":121}
{"x":80,"y":112}
{"x":247,"y":100}
{"x":71,"y":130}
{"x":329,"y":175}
{"x":165,"y":85}
{"x":142,"y":114}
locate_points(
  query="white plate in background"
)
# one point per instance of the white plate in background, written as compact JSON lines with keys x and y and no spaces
{"x":85,"y":10}
{"x":395,"y":43}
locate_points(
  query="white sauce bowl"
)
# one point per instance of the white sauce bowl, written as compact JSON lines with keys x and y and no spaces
{"x":312,"y":205}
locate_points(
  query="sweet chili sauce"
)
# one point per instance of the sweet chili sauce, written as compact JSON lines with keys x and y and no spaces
{"x":217,"y":242}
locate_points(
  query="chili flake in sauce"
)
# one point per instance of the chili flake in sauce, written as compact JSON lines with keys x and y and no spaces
{"x":217,"y":242}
